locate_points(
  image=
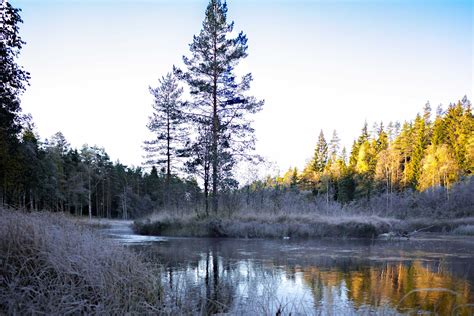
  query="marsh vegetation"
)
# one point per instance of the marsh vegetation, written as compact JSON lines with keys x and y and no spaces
{"x":54,"y":264}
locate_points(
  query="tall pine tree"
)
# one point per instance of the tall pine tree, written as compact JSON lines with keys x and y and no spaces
{"x":14,"y":80}
{"x":167,"y":123}
{"x":220,"y":99}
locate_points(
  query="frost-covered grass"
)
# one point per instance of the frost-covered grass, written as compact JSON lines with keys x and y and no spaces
{"x":50,"y":264}
{"x":53,"y":264}
{"x":285,"y":212}
{"x":246,"y":225}
{"x":464,"y":230}
{"x":300,"y":225}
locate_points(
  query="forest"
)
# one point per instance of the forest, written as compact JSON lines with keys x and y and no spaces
{"x":200,"y":139}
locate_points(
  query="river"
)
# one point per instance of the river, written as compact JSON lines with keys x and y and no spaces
{"x":312,"y":277}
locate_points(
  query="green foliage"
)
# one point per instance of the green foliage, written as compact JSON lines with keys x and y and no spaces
{"x":220,"y":102}
{"x":421,"y":155}
{"x":14,"y":80}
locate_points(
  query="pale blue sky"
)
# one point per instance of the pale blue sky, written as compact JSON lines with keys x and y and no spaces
{"x":318,"y":64}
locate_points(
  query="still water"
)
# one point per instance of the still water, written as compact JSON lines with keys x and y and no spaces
{"x":313,"y":277}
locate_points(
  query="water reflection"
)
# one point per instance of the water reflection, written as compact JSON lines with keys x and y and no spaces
{"x":209,"y":276}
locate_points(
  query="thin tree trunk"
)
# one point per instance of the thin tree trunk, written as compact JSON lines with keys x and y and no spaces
{"x":89,"y":198}
{"x":124,"y":204}
{"x":327,"y":195}
{"x":206,"y":196}
{"x":103,"y":199}
{"x":168,"y":162}
{"x":97,"y":209}
{"x":215,"y":123}
{"x":388,"y":184}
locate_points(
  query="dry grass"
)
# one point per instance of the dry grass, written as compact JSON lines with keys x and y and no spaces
{"x":464,"y":230}
{"x":264,"y":225}
{"x":275,"y":213}
{"x":51,"y":265}
{"x":244,"y":224}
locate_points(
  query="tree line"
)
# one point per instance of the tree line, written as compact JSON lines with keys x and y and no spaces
{"x":51,"y":175}
{"x":418,"y":155}
{"x":210,"y":131}
{"x":202,"y":127}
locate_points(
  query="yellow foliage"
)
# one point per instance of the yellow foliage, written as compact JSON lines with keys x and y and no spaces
{"x":470,"y":154}
{"x":439,"y":168}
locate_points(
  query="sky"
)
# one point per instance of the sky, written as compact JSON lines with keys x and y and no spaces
{"x":319,"y":65}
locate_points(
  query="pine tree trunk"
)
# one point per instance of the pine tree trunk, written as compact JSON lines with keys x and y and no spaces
{"x":89,"y":197}
{"x":124,"y":204}
{"x":31,"y":201}
{"x":168,"y":161}
{"x":97,"y":208}
{"x":215,"y":123}
{"x":206,"y":192}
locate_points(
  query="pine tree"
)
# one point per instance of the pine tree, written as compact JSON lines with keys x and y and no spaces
{"x":334,"y":146}
{"x":365,"y":168}
{"x":354,"y":154}
{"x":457,"y":132}
{"x":220,"y":100}
{"x":382,"y":139}
{"x":14,"y":80}
{"x":468,"y":131}
{"x":320,"y":157}
{"x":427,"y":113}
{"x":364,"y":136}
{"x":420,"y":143}
{"x":467,"y":127}
{"x":390,"y":132}
{"x":200,"y":161}
{"x":404,"y":144}
{"x":168,"y":124}
{"x":438,"y":133}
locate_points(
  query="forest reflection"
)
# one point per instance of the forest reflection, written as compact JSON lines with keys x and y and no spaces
{"x":226,"y":278}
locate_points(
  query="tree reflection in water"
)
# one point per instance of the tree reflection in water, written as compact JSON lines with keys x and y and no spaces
{"x":202,"y":276}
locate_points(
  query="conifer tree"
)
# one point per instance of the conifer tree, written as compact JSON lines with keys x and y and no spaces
{"x":382,"y":141}
{"x":14,"y":80}
{"x":334,"y":146}
{"x":364,"y":136}
{"x":457,"y":132}
{"x":427,"y":113}
{"x":420,"y":143}
{"x":200,"y":161}
{"x":320,"y":157}
{"x":438,"y":130}
{"x":167,"y":123}
{"x":404,"y":143}
{"x":220,"y":99}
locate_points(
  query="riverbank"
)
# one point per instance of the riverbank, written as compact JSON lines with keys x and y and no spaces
{"x":53,"y":264}
{"x":294,"y":226}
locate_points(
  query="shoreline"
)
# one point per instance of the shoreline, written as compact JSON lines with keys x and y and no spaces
{"x":303,"y":227}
